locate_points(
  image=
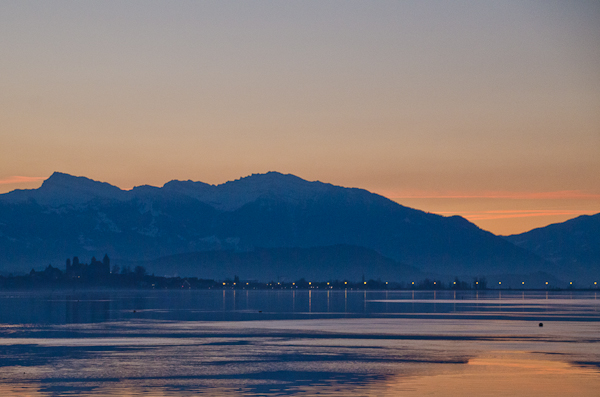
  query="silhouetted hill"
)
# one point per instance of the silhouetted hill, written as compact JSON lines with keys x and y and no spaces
{"x":286,"y":264}
{"x":574,"y":246}
{"x":70,"y":216}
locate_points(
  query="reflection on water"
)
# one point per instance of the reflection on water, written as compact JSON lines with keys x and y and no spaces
{"x":59,"y":307}
{"x":385,"y":343}
{"x":514,"y":373}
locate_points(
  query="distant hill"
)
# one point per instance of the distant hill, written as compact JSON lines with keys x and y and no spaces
{"x":573,"y":246}
{"x":70,"y":216}
{"x":341,"y":262}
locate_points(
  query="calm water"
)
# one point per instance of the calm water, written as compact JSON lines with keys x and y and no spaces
{"x":381,"y":343}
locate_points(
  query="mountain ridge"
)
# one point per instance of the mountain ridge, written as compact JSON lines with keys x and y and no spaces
{"x":62,"y":188}
{"x":573,"y":246}
{"x":70,"y":216}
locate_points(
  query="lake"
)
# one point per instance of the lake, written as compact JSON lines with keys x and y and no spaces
{"x":301,"y":342}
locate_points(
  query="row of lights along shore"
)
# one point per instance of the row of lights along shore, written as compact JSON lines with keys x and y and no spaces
{"x":329,"y":286}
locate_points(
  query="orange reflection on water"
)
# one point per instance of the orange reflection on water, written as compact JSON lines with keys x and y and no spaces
{"x":505,"y":374}
{"x":512,"y":373}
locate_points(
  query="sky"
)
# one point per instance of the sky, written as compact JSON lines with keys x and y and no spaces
{"x":485,"y":109}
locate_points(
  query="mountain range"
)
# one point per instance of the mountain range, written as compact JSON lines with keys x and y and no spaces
{"x":292,"y":224}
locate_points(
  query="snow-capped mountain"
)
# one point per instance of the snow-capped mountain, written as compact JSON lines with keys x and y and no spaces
{"x":70,"y":216}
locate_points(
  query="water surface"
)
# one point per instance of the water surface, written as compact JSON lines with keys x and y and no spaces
{"x":384,"y":343}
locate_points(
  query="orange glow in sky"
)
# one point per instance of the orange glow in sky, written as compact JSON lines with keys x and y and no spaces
{"x":19,"y":180}
{"x":565,"y":194}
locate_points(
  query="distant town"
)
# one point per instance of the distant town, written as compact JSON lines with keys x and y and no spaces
{"x":99,"y":275}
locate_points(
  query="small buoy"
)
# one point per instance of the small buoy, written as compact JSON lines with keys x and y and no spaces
{"x":541,"y":324}
{"x":260,"y":311}
{"x":134,"y":312}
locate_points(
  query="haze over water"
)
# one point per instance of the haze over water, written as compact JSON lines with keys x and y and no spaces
{"x":239,"y":342}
